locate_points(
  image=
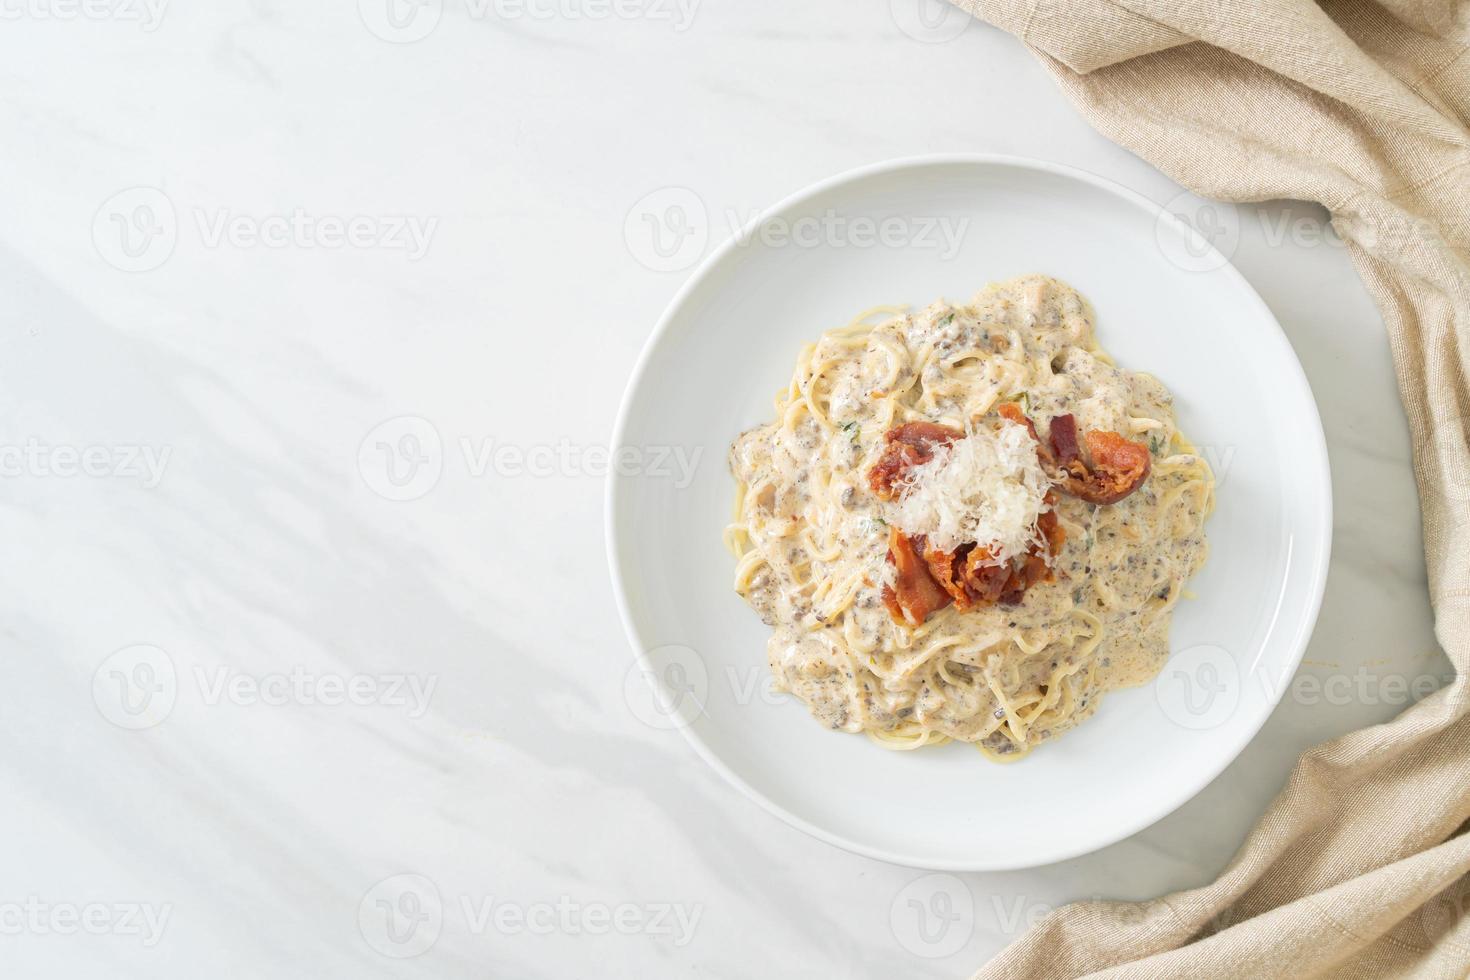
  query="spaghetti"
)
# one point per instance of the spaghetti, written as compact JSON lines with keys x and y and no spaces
{"x":812,"y":538}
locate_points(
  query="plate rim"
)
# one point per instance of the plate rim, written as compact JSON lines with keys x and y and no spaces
{"x":1318,"y":462}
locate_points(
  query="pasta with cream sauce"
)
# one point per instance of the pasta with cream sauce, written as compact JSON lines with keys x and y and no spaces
{"x":815,"y":534}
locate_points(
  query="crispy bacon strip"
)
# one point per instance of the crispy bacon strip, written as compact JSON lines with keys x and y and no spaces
{"x":969,"y":576}
{"x":1011,"y":411}
{"x":984,"y":578}
{"x":1036,"y":566}
{"x":1031,"y":570}
{"x":1119,"y":466}
{"x":1051,"y":529}
{"x":947,"y":568}
{"x":914,"y":593}
{"x":1063,"y":438}
{"x":908,"y":445}
{"x":926,"y":578}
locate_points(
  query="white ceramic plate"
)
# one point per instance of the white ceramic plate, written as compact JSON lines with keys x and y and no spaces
{"x":1166,"y":303}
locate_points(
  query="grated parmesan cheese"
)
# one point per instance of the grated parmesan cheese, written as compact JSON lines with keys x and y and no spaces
{"x":986,"y":489}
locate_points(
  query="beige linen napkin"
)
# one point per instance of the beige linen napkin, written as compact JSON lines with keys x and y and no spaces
{"x":1358,"y":868}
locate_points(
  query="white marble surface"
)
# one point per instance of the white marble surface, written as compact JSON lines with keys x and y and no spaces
{"x":180,"y":451}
